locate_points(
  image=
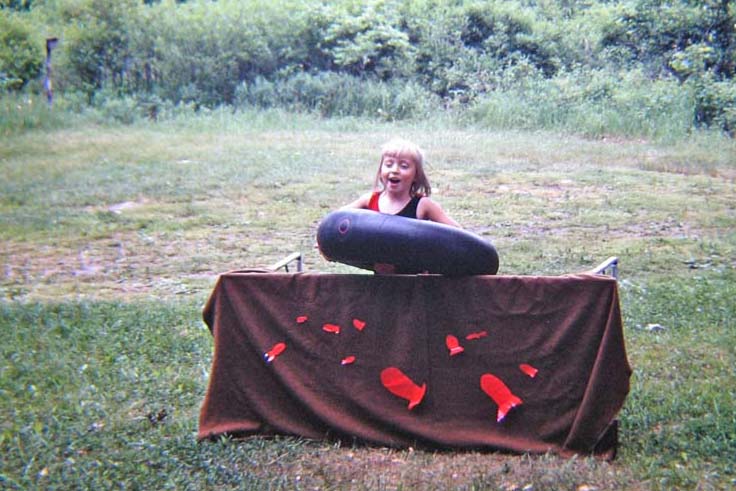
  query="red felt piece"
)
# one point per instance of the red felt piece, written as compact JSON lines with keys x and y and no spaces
{"x":453,"y":345}
{"x":500,"y":393}
{"x":331,"y":328}
{"x":271,"y":354}
{"x":528,"y":369}
{"x":399,"y":384}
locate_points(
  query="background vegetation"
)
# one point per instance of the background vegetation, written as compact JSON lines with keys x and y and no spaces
{"x":651,"y":68}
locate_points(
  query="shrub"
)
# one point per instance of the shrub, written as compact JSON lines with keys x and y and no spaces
{"x":656,"y":33}
{"x":595,"y":103}
{"x":21,"y":56}
{"x":463,"y":49}
{"x":507,"y":32}
{"x":97,"y":43}
{"x":119,"y":108}
{"x":334,"y":94}
{"x":367,"y":39}
{"x":715,"y":103}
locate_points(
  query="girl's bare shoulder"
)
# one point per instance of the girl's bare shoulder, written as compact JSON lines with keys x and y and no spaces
{"x":428,"y":209}
{"x":361,"y":202}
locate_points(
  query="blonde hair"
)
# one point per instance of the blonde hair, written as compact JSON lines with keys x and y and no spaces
{"x":400,"y":148}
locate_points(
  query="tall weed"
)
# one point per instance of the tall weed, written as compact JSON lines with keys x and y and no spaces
{"x":592,"y":103}
{"x":23,"y":111}
{"x":332,"y":94}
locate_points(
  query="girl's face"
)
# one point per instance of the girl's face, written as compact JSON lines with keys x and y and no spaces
{"x":398,"y":173}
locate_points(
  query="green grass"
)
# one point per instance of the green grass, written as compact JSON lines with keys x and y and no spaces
{"x":112,"y":238}
{"x":680,"y":420}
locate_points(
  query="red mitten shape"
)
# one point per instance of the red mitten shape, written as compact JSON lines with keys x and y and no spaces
{"x":331,"y":328}
{"x":271,"y":354}
{"x":348,"y":360}
{"x":358,"y":324}
{"x":302,"y":319}
{"x":400,"y":385}
{"x":453,"y":345}
{"x":528,"y":369}
{"x":500,"y":393}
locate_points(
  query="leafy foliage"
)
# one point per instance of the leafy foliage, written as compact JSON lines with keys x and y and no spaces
{"x":335,"y":94}
{"x":592,"y":102}
{"x":681,"y":37}
{"x":205,"y":54}
{"x":367,"y":39}
{"x":716,"y":103}
{"x":505,"y":32}
{"x":16,"y":4}
{"x":97,"y":43}
{"x":20,"y":53}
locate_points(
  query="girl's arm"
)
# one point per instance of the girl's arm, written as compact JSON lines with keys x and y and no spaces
{"x":361,"y":202}
{"x":431,"y":210}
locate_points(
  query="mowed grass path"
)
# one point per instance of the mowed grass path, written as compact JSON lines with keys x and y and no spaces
{"x":112,"y":238}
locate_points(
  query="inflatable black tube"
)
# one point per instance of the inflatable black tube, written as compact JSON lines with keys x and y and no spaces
{"x":364,"y":239}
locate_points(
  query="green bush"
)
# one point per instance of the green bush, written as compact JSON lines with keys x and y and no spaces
{"x":334,"y":94}
{"x":463,"y":49}
{"x":367,"y":39}
{"x":715,"y":103}
{"x":21,"y":55}
{"x":655,"y":33}
{"x":506,"y":32}
{"x":96,"y":48}
{"x":200,"y":52}
{"x":122,"y":109}
{"x":594,"y":103}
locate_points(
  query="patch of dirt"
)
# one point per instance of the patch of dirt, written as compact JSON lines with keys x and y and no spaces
{"x":134,"y":264}
{"x":667,"y":228}
{"x":390,"y":469}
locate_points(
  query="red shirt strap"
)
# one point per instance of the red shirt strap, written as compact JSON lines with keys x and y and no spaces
{"x":373,"y":203}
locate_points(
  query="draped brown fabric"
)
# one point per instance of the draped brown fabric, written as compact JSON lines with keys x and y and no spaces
{"x":568,"y":328}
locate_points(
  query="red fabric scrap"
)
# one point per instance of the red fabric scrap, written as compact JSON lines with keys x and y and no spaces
{"x":271,"y":354}
{"x":476,"y":335}
{"x":528,"y":369}
{"x":399,"y":384}
{"x":358,"y":324}
{"x":348,"y":360}
{"x":302,"y":319}
{"x":453,"y":345}
{"x":331,"y":328}
{"x":500,"y":393}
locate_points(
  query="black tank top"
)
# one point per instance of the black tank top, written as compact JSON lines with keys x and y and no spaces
{"x":410,"y":210}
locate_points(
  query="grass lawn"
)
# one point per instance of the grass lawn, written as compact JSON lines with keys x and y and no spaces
{"x":112,"y":239}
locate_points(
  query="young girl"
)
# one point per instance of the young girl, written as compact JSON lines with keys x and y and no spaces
{"x":401,"y":186}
